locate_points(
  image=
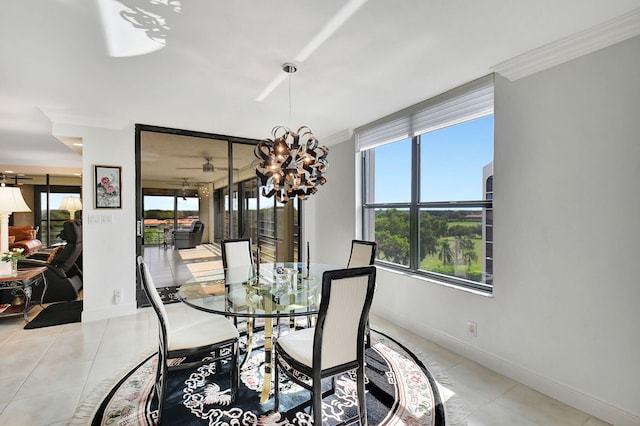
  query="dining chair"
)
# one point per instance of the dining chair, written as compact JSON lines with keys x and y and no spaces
{"x":335,"y":345}
{"x":237,"y":261}
{"x":207,"y":338}
{"x":363,"y":253}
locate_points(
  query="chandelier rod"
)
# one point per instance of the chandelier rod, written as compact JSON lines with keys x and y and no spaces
{"x":289,"y":68}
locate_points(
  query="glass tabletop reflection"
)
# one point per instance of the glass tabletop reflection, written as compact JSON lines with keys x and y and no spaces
{"x":268,"y":290}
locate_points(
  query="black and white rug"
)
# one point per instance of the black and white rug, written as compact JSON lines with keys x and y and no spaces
{"x":400,"y":391}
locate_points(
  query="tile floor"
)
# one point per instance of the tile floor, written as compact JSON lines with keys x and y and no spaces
{"x":45,"y":373}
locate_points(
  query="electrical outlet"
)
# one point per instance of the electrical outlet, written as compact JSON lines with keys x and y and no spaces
{"x":117,"y":296}
{"x":472,"y":328}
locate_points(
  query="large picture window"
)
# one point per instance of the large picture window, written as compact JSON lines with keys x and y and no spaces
{"x":428,"y":186}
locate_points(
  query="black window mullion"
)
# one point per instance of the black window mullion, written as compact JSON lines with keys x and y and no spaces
{"x":414,"y":219}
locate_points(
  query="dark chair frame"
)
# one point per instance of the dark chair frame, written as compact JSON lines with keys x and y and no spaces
{"x":226,"y":349}
{"x":292,"y":368}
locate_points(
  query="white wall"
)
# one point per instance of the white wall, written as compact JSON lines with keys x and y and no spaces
{"x":565,"y":312}
{"x":109,"y":239}
{"x":328,"y":215}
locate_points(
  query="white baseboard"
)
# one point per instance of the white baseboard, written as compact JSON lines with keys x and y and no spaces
{"x":564,"y":393}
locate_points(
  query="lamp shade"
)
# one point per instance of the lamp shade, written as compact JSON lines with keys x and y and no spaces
{"x":71,"y":204}
{"x":11,"y":200}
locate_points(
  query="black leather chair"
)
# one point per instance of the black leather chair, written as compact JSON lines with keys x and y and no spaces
{"x":64,"y":266}
{"x":188,"y":238}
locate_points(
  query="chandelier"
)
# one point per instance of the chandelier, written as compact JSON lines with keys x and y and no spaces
{"x":290,"y":164}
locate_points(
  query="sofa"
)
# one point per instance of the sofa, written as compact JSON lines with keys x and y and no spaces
{"x":24,"y":237}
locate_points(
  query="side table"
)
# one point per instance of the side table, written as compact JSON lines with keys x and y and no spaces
{"x":21,"y":284}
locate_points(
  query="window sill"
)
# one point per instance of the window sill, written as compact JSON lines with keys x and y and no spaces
{"x":420,"y":277}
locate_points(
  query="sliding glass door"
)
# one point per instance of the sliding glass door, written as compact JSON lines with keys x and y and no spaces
{"x":184,"y":176}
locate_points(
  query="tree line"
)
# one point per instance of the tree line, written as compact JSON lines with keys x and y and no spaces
{"x":392,"y":236}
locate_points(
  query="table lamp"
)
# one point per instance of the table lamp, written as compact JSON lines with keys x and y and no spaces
{"x":72,"y":204}
{"x":10,"y":201}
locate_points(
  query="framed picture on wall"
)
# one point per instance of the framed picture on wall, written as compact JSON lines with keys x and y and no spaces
{"x":108,"y":192}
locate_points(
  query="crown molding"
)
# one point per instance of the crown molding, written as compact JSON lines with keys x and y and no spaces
{"x":606,"y":34}
{"x":85,"y":120}
{"x":336,"y":138}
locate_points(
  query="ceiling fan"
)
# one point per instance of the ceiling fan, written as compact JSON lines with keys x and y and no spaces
{"x":5,"y":179}
{"x":207,"y":167}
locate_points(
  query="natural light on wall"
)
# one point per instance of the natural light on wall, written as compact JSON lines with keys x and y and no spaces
{"x":135,"y":31}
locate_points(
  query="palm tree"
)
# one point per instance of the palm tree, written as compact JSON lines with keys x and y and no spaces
{"x":445,"y":254}
{"x":468,"y":252}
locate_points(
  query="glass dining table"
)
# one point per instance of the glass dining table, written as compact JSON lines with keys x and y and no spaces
{"x":267,"y":291}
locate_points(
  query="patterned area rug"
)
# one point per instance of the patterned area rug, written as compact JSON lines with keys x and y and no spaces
{"x":400,"y":391}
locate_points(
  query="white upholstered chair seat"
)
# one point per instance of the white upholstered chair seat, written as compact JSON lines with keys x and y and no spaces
{"x":299,"y":345}
{"x":202,"y":332}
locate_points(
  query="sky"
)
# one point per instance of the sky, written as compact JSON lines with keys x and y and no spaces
{"x":166,"y":203}
{"x":470,"y":144}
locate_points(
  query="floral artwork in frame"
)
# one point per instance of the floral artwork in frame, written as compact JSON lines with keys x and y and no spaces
{"x":108,"y":193}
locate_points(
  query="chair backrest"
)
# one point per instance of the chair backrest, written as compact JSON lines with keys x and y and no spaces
{"x":197,"y":230}
{"x":158,"y":306}
{"x":236,"y":252}
{"x":237,"y":259}
{"x":66,"y":258}
{"x":363,"y":253}
{"x":197,"y":227}
{"x":342,"y":316}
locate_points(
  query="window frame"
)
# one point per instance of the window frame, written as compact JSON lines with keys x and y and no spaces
{"x":415,"y":206}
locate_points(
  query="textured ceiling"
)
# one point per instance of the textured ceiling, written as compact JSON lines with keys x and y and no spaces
{"x":200,"y":65}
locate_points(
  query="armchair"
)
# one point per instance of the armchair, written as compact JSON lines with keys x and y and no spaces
{"x":188,"y":238}
{"x":64,"y":273}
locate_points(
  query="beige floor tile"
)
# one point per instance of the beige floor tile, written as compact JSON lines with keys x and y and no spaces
{"x":494,"y":414}
{"x":10,"y":386}
{"x":540,"y":408}
{"x":477,"y":385}
{"x":58,"y":376}
{"x":596,"y":422}
{"x":44,"y":409}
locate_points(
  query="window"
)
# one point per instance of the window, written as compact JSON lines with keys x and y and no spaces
{"x":49,"y":218}
{"x":428,"y":186}
{"x":166,"y":210}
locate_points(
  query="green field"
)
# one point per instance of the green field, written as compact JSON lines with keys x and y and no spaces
{"x":459,"y":267}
